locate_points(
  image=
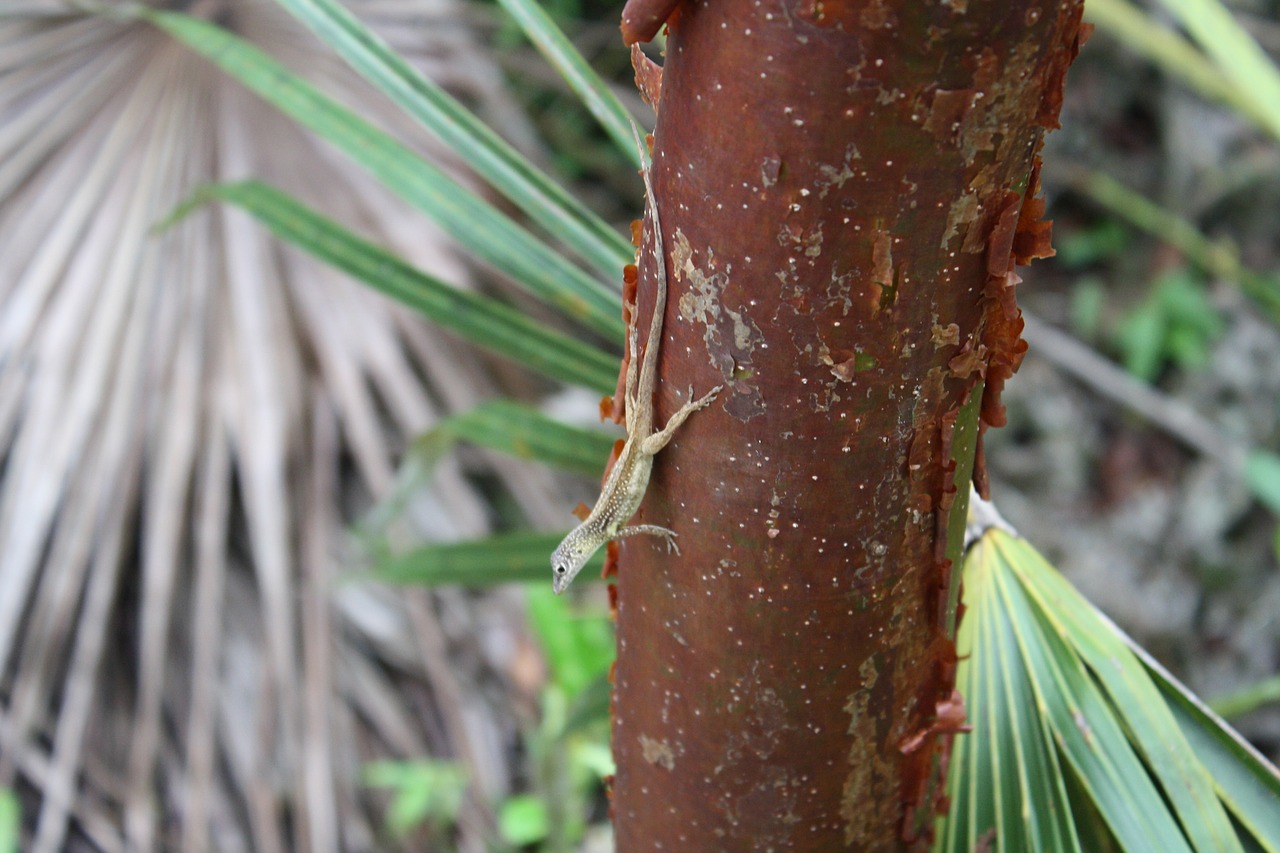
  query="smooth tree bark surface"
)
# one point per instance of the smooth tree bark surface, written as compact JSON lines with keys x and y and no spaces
{"x":844,"y":190}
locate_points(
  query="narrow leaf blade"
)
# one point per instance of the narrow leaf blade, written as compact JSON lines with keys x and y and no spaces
{"x":580,"y":76}
{"x":1173,"y":53}
{"x":544,"y":201}
{"x":478,"y":225}
{"x":479,"y":319}
{"x":526,"y":433}
{"x":1235,"y":52}
{"x":1085,"y":727}
{"x":1135,"y":698}
{"x":1245,"y":780}
{"x":522,"y":557}
{"x":1006,"y":784}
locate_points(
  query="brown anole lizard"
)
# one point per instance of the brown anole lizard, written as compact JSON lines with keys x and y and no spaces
{"x":629,"y":478}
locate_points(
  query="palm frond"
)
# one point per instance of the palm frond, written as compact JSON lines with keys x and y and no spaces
{"x":1080,"y":741}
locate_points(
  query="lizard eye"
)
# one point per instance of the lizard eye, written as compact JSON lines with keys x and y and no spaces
{"x":559,"y":570}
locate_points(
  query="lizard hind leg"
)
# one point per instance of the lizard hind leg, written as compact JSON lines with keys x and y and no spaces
{"x":633,"y":359}
{"x":652,"y":529}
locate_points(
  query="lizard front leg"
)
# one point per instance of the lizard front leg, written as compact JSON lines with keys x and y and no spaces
{"x":653,"y":529}
{"x":659,"y":439}
{"x":633,"y":361}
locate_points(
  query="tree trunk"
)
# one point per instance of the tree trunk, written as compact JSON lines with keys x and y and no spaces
{"x":844,"y":188}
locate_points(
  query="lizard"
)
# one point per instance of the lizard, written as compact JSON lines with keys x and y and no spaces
{"x":624,"y":488}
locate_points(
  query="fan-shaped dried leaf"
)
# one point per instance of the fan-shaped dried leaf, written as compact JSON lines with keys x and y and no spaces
{"x":189,"y":420}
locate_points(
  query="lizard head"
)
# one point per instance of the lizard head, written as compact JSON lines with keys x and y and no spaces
{"x":567,"y":560}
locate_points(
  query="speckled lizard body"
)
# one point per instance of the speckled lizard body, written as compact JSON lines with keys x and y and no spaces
{"x":625,"y":486}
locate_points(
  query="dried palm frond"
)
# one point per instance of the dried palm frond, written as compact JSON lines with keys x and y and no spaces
{"x":189,"y":419}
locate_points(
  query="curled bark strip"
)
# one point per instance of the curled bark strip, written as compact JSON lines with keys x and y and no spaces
{"x":641,"y":19}
{"x":648,"y":76}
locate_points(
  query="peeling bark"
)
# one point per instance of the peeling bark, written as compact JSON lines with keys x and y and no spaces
{"x":845,"y":188}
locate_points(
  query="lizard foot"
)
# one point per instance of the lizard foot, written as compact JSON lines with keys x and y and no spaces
{"x":702,"y":401}
{"x":672,"y":547}
{"x":656,"y":530}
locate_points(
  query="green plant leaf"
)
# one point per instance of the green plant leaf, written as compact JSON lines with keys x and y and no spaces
{"x":591,"y":708}
{"x":579,"y":649}
{"x":1147,"y":767}
{"x":581,"y":77}
{"x":523,"y":820}
{"x":481,"y":320}
{"x":1248,"y":699}
{"x":1136,"y":700}
{"x":10,"y":821}
{"x":1235,"y":53}
{"x":1246,"y":782}
{"x":1088,"y":300}
{"x":1262,"y":473}
{"x":544,"y":201}
{"x":1089,"y":736}
{"x":1009,"y":760}
{"x":491,"y":235}
{"x":1141,"y":339}
{"x":594,"y":757}
{"x":1219,"y":258}
{"x":519,"y":431}
{"x":504,"y":558}
{"x":1101,"y":242}
{"x":423,"y":791}
{"x":1173,"y":54}
{"x":1176,"y":323}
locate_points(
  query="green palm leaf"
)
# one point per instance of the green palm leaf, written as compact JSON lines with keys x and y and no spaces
{"x":1078,"y":742}
{"x":1236,"y":54}
{"x":1173,"y":53}
{"x":505,"y":558}
{"x":1228,"y":65}
{"x":522,"y":432}
{"x":580,"y":76}
{"x":1246,"y":782}
{"x":491,"y":235}
{"x":510,"y":428}
{"x":485,"y":322}
{"x":543,"y":200}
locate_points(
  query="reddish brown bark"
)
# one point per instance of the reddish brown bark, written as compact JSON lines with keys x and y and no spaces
{"x":844,"y":188}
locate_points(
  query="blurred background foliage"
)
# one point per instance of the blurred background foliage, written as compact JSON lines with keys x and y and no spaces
{"x":1164,"y":185}
{"x":212,"y":442}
